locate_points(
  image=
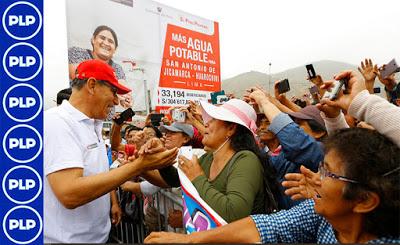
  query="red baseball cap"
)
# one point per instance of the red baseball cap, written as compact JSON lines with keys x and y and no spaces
{"x":100,"y":71}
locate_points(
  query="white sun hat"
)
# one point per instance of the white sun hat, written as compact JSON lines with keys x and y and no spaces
{"x":234,"y":110}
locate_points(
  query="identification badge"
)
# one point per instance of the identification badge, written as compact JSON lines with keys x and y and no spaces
{"x":92,"y":146}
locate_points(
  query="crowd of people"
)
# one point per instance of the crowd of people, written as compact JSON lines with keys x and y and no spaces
{"x":275,"y":170}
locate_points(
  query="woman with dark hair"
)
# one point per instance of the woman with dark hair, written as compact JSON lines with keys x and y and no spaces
{"x":230,"y":177}
{"x":104,"y":43}
{"x":354,"y":198}
{"x":297,"y":133}
{"x":370,"y":163}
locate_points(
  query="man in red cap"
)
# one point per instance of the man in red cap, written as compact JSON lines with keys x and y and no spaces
{"x":78,"y":183}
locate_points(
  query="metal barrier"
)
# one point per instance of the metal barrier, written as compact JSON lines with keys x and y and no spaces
{"x":129,"y":231}
{"x":170,"y":200}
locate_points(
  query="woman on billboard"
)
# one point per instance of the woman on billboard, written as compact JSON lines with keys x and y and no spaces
{"x":104,"y":43}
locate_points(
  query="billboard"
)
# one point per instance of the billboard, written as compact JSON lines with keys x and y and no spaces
{"x":166,"y":56}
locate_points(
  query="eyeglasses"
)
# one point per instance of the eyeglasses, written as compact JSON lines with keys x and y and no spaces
{"x":114,"y":90}
{"x":325,"y":173}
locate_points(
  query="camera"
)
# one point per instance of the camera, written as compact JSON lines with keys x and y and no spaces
{"x":124,"y":116}
{"x":389,"y":69}
{"x":214,"y":96}
{"x":178,"y":116}
{"x":283,"y":86}
{"x":222,"y":99}
{"x":333,"y":94}
{"x":156,"y":119}
{"x":311,"y":71}
{"x":186,"y":151}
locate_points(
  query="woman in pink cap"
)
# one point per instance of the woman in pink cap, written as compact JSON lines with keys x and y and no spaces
{"x":230,"y":177}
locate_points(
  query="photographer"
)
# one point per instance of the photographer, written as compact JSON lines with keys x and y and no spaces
{"x":297,"y":146}
{"x":372,"y":109}
{"x":359,"y":174}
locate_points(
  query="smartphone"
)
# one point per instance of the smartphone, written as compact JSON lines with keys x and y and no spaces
{"x":390,"y":68}
{"x":178,"y":116}
{"x":186,"y":151}
{"x":283,"y":86}
{"x":124,"y":116}
{"x":156,"y":119}
{"x":333,"y":94}
{"x":221,"y":99}
{"x":214,"y":96}
{"x":377,"y":90}
{"x":311,"y":71}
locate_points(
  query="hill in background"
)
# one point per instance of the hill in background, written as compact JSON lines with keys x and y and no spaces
{"x":297,"y":78}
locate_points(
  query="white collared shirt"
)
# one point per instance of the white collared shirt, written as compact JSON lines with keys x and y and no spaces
{"x":73,"y":140}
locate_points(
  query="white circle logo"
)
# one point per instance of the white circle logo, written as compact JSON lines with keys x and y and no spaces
{"x":18,"y":119}
{"x":26,"y":208}
{"x":17,"y":19}
{"x":24,"y":127}
{"x":13,"y":199}
{"x":31,"y":71}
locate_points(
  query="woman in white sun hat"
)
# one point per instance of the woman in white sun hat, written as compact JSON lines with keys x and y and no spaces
{"x":230,"y":177}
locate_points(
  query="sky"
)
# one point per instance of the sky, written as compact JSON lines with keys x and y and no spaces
{"x":255,"y":33}
{"x":290,"y":33}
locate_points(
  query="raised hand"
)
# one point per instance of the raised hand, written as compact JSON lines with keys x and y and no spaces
{"x":317,"y":80}
{"x":369,"y":71}
{"x":328,"y":110}
{"x":147,"y":122}
{"x":355,"y":84}
{"x":231,"y":96}
{"x":189,"y":116}
{"x":257,"y":95}
{"x":278,"y":96}
{"x":302,"y":185}
{"x":191,"y":168}
{"x":194,"y":108}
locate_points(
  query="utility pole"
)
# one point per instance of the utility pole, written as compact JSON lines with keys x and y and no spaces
{"x":269,"y":77}
{"x":146,"y":94}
